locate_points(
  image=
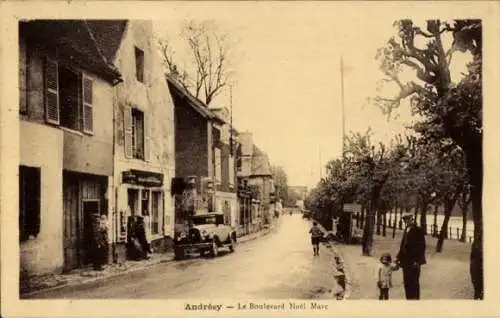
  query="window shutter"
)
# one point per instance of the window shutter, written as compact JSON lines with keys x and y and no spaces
{"x":88,"y":112}
{"x":147,"y":136}
{"x":127,"y":127}
{"x":51,"y":92}
{"x":23,"y":107}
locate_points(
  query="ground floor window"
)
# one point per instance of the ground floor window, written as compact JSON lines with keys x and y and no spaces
{"x":147,"y":202}
{"x":29,"y":202}
{"x":157,"y":210}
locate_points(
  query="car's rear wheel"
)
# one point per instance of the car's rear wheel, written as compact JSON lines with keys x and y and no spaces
{"x":179,"y":253}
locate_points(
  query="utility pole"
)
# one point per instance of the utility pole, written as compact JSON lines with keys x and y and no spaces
{"x":231,"y":120}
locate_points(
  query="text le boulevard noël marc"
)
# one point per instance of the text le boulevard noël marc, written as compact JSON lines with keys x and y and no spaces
{"x":258,"y":306}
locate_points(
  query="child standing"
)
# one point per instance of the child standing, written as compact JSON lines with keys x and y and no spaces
{"x":384,"y":275}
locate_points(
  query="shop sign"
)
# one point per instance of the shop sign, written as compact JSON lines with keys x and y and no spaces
{"x":144,"y":178}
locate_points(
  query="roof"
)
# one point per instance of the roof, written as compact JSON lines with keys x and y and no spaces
{"x":74,"y":40}
{"x":260,"y":163}
{"x":108,"y":35}
{"x":177,"y":88}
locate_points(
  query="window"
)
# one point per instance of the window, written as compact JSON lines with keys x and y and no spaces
{"x":29,"y":203}
{"x":139,"y":64}
{"x":157,"y":210}
{"x":137,"y":134}
{"x":231,"y":170}
{"x":239,"y":159}
{"x":69,"y":84}
{"x":218,"y":162}
{"x":23,"y":65}
{"x":145,"y":202}
{"x":68,"y":97}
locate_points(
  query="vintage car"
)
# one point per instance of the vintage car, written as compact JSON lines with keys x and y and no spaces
{"x":205,"y":233}
{"x":306,"y":214}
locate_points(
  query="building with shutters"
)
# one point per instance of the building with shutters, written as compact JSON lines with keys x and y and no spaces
{"x":66,"y":143}
{"x":144,"y":161}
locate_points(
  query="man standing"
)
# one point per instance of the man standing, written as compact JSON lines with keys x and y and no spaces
{"x":411,"y":256}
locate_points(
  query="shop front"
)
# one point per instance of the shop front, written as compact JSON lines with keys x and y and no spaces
{"x":140,"y":218}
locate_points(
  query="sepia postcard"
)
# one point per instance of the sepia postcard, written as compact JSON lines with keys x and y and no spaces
{"x":249,"y":158}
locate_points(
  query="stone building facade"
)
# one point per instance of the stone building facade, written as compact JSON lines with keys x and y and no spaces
{"x":66,"y":137}
{"x":144,"y":145}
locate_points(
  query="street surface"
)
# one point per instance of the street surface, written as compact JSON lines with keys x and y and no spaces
{"x":279,"y":265}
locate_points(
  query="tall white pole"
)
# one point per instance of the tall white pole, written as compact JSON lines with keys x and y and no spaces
{"x":231,"y":143}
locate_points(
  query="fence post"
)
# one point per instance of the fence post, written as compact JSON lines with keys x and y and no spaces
{"x":458,"y":233}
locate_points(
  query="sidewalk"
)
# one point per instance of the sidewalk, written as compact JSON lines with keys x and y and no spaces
{"x":87,"y":275}
{"x":445,"y":276}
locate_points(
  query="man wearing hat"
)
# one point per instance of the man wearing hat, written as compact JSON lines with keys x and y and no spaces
{"x":411,"y":256}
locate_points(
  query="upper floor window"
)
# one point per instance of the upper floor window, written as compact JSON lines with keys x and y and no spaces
{"x":68,"y":97}
{"x":136,"y":137}
{"x":218,"y":165}
{"x":137,"y":134}
{"x":139,"y":64}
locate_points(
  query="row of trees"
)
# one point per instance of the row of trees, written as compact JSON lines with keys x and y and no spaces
{"x":440,"y":161}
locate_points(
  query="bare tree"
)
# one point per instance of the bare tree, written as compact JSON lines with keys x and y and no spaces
{"x":210,"y":68}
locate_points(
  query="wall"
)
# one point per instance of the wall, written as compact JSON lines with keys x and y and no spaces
{"x":154,"y":99}
{"x":41,"y":146}
{"x":191,"y":139}
{"x":246,"y":141}
{"x":93,"y":153}
{"x":83,"y":153}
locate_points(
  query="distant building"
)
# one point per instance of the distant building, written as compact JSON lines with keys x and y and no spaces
{"x":300,"y":191}
{"x":254,"y":170}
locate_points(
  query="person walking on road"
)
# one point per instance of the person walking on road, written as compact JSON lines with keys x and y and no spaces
{"x":316,"y":235}
{"x":411,"y":256}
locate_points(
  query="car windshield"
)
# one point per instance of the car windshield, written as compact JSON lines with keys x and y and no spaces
{"x":205,"y":220}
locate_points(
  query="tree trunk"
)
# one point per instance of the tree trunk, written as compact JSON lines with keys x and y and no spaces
{"x":444,"y":228}
{"x":370,"y":218}
{"x":363,"y":209}
{"x":384,"y":224}
{"x":378,"y":222}
{"x":415,"y":215}
{"x":475,"y":167}
{"x":400,"y":222}
{"x":463,"y":236}
{"x":395,"y":222}
{"x":423,"y":217}
{"x":448,"y":208}
{"x":434,"y":226}
{"x":368,"y":232}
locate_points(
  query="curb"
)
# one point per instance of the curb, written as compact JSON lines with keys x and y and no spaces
{"x":97,"y":278}
{"x":84,"y":281}
{"x":331,"y":246}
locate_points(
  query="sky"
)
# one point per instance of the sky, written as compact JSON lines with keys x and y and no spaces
{"x":288,"y":91}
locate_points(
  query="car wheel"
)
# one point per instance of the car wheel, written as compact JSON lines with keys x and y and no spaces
{"x":214,"y":250}
{"x":179,"y":253}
